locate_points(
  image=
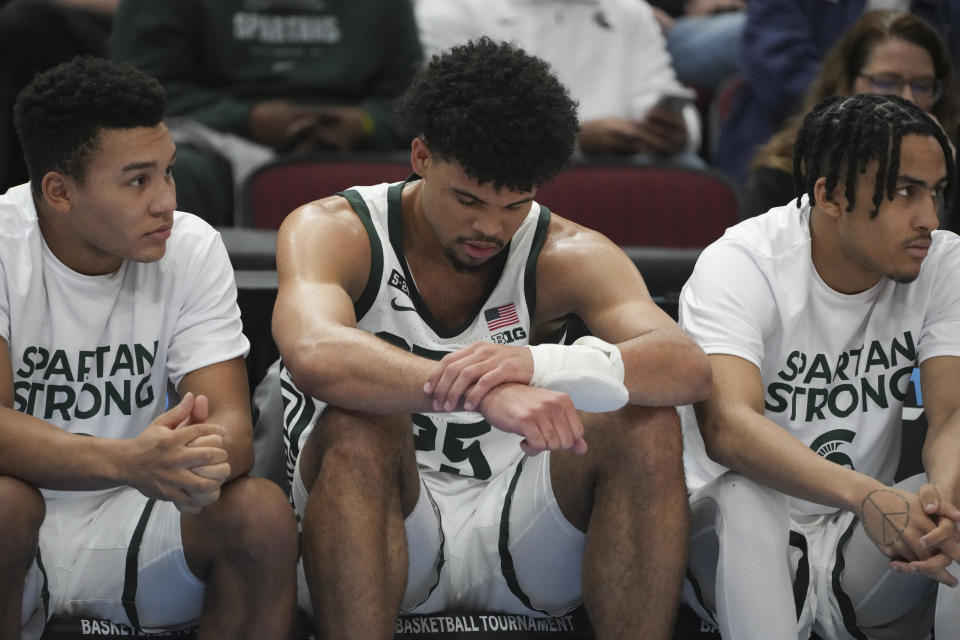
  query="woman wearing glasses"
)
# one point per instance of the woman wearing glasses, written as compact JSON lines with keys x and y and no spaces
{"x":883,"y":52}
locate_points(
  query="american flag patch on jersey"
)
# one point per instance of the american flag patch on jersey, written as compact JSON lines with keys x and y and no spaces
{"x":499,"y":317}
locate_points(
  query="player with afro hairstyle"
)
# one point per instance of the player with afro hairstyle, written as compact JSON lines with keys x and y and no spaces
{"x":414,"y":323}
{"x":498,"y":112}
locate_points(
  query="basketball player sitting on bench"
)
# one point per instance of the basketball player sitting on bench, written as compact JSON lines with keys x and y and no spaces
{"x":813,"y":316}
{"x":418,"y":480}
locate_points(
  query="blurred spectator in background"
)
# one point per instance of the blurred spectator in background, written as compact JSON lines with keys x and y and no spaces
{"x":36,"y":35}
{"x":250,"y":80}
{"x":784,"y":43}
{"x":883,"y":52}
{"x":703,"y":38}
{"x":610,"y":53}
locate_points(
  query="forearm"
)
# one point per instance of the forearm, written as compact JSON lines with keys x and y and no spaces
{"x":50,"y":458}
{"x":352,"y":369}
{"x":238,"y":440}
{"x":760,"y":449}
{"x":665,"y":367}
{"x":941,"y":450}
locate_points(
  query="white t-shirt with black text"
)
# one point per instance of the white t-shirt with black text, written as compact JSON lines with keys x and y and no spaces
{"x":94,"y":354}
{"x":836,"y":368}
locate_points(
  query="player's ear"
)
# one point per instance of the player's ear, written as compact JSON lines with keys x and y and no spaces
{"x":828,"y":201}
{"x":420,"y":156}
{"x":55,"y":188}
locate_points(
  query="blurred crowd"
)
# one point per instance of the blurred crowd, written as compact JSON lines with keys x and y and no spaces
{"x":715,"y":84}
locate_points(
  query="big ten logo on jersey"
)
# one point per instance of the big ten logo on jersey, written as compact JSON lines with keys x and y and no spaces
{"x":509,"y":336}
{"x":457,"y":442}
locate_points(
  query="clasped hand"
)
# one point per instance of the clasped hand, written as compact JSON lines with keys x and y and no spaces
{"x":179,"y":457}
{"x":918,"y":532}
{"x":294,"y":128}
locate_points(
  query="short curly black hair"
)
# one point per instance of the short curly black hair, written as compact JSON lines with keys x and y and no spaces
{"x":843,"y":133}
{"x":60,"y":114}
{"x":500,"y":113}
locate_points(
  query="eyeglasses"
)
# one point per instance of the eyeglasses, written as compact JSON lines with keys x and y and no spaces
{"x":926,"y":89}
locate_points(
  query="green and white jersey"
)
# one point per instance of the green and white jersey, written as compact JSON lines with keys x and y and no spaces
{"x":391,"y":308}
{"x":836,"y":368}
{"x":95,"y":354}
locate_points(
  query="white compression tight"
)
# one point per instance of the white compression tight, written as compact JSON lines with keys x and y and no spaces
{"x":948,"y":609}
{"x":744,"y":567}
{"x":739,"y":533}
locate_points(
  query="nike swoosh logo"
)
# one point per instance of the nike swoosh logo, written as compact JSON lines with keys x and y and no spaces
{"x":393,"y":303}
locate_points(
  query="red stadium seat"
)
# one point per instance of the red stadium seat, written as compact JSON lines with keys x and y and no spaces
{"x":638,"y":205}
{"x":645,"y":205}
{"x":276,"y":189}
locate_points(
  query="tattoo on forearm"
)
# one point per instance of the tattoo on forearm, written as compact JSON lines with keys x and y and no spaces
{"x":885,"y":515}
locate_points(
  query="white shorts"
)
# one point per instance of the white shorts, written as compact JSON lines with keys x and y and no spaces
{"x":464,"y":554}
{"x":35,"y":609}
{"x":906,"y":599}
{"x":115,"y":555}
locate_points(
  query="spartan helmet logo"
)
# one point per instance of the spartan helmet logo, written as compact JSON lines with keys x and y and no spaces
{"x":829,"y":446}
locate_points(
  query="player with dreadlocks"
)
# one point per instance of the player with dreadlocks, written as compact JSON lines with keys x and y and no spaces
{"x":813,"y":316}
{"x":838,"y":138}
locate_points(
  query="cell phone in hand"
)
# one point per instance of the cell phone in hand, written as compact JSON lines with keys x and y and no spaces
{"x":675,"y":101}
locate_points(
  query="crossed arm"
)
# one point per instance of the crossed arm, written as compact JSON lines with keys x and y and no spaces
{"x":582,"y":273}
{"x":738,"y":436}
{"x":323,"y":262}
{"x":184,"y":456}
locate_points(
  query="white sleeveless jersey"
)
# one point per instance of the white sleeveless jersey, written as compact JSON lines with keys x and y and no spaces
{"x":391,"y":308}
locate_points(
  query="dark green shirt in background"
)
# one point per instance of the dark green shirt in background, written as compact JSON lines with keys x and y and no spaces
{"x":217,"y":58}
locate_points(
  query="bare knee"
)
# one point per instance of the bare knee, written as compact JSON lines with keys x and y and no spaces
{"x":252,"y":523}
{"x":259,"y":518}
{"x":22,"y":510}
{"x":642,"y":441}
{"x":635,"y":451}
{"x":361,"y":447}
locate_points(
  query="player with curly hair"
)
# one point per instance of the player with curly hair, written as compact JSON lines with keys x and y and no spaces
{"x":110,"y":299}
{"x":417,"y":324}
